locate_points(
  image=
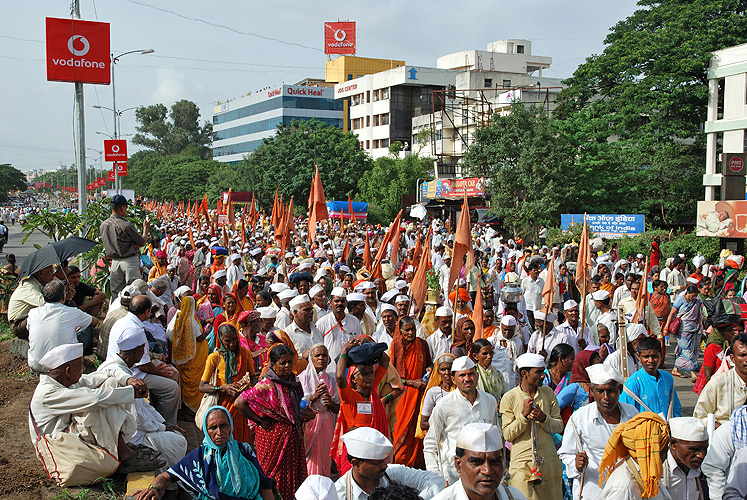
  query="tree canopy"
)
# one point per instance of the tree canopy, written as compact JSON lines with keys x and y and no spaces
{"x":175,"y":177}
{"x":174,"y":132}
{"x":286,"y":161}
{"x":11,"y":179}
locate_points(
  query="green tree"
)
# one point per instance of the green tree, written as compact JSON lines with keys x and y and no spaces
{"x":173,"y":132}
{"x":390,"y":178}
{"x":530,"y":164}
{"x":636,"y":110}
{"x":286,"y":161}
{"x":11,"y":179}
{"x":174,"y":177}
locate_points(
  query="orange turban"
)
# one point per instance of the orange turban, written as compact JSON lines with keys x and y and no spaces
{"x":462,"y":295}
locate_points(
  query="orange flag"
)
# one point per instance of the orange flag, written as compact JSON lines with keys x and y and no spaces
{"x":275,"y":210}
{"x":318,"y":204}
{"x":376,"y":266}
{"x":191,"y":237}
{"x":350,"y":209}
{"x":280,"y":227}
{"x":641,"y":301}
{"x":205,"y":210}
{"x":226,"y":241}
{"x":418,"y":251}
{"x":366,"y":253}
{"x":346,"y":251}
{"x":583,"y":269}
{"x":231,"y":214}
{"x":253,"y":213}
{"x":243,"y":230}
{"x":462,"y":245}
{"x":219,"y":209}
{"x":287,"y":228}
{"x":548,"y":291}
{"x":419,"y":285}
{"x":478,"y":317}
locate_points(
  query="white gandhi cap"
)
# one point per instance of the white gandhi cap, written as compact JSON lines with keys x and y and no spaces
{"x":338,"y":291}
{"x":131,"y":338}
{"x":267,"y":312}
{"x":314,"y":290}
{"x":301,"y":299}
{"x":462,"y":363}
{"x":530,"y":360}
{"x":60,"y":355}
{"x":287,"y":294}
{"x":508,"y":320}
{"x":444,"y":312}
{"x":367,"y":443}
{"x":601,"y":374}
{"x":480,"y":438}
{"x":688,"y":429}
{"x":317,"y":488}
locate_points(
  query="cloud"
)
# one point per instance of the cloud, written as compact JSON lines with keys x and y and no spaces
{"x":170,"y":86}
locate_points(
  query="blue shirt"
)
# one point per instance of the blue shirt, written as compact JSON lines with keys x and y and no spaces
{"x":654,"y":392}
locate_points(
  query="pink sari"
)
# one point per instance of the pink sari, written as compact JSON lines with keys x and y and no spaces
{"x":320,"y":431}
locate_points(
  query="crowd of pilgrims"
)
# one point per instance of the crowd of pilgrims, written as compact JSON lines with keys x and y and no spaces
{"x":298,"y":362}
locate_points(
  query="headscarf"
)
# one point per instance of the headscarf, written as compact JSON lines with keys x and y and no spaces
{"x":582,"y":361}
{"x":230,"y":359}
{"x":186,"y":330}
{"x":299,"y":365}
{"x":643,"y":438}
{"x":739,"y":427}
{"x":458,"y":338}
{"x":237,"y":476}
{"x":219,"y":292}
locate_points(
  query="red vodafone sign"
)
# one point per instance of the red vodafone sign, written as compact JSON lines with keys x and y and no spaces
{"x":115,"y":150}
{"x":110,"y":175}
{"x":339,"y":38}
{"x":121,"y":169}
{"x":78,"y":51}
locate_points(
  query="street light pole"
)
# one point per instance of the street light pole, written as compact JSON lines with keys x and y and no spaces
{"x":80,"y":132}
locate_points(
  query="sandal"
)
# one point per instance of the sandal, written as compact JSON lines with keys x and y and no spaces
{"x":140,"y":462}
{"x":148,"y":452}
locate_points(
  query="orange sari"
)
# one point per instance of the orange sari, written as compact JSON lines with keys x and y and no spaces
{"x":411,"y":362}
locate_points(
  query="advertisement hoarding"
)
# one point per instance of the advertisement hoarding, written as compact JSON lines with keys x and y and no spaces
{"x":339,"y":37}
{"x":725,"y":219}
{"x":77,"y":51}
{"x":607,"y":225}
{"x":453,"y":188}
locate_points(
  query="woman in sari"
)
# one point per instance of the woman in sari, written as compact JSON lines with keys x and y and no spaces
{"x":280,"y":337}
{"x":233,"y":369}
{"x":412,"y":359}
{"x":189,"y":351}
{"x":440,"y":383}
{"x":320,"y":389}
{"x":558,"y":371}
{"x":219,"y":469}
{"x":356,"y":386}
{"x":461,"y":341}
{"x":578,"y":392}
{"x":687,"y":308}
{"x":659,"y":300}
{"x":230,"y":314}
{"x":274,"y":405}
{"x":489,"y":379}
{"x":250,"y":323}
{"x":241,"y":290}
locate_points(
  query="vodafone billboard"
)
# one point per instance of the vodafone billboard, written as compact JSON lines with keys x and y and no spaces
{"x":339,"y":37}
{"x":78,"y":51}
{"x":121,"y":169}
{"x":115,"y":150}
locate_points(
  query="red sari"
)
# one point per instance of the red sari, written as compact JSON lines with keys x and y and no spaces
{"x":410,"y":362}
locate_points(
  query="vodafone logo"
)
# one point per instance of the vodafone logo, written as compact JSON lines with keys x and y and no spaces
{"x":340,"y":35}
{"x":73,"y":50}
{"x":115,"y":148}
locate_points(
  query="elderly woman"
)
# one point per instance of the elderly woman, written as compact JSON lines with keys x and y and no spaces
{"x":412,"y":359}
{"x":228,"y":373}
{"x":440,"y":383}
{"x":275,"y":405}
{"x":320,"y":389}
{"x":489,"y":380}
{"x":250,"y":324}
{"x":220,"y":469}
{"x":230,"y":314}
{"x":461,"y":342}
{"x":686,"y":308}
{"x":189,"y":351}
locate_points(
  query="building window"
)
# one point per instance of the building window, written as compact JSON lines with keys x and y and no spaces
{"x":519,"y":49}
{"x":385,"y":119}
{"x":376,"y":144}
{"x":506,"y":84}
{"x":368,"y":144}
{"x":350,"y":77}
{"x":368,"y":120}
{"x":488,"y":83}
{"x":385,"y":93}
{"x":355,"y":100}
{"x":368,"y":96}
{"x":376,"y":95}
{"x":385,"y":143}
{"x":376,"y":120}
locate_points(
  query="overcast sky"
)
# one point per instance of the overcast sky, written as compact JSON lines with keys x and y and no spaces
{"x":219,"y":50}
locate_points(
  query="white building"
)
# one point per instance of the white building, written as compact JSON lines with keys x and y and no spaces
{"x":242,"y":124}
{"x":727,"y":112}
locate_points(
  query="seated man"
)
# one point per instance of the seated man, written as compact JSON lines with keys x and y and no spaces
{"x":368,"y":453}
{"x":55,"y":324}
{"x":84,"y":291}
{"x":152,"y":430}
{"x":94,"y":407}
{"x":651,"y":389}
{"x":27,"y":296}
{"x":116,"y":312}
{"x":479,"y":462}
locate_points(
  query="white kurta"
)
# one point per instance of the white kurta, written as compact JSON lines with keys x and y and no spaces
{"x":718,"y":460}
{"x":593,"y":432}
{"x":301,"y":339}
{"x":679,"y":485}
{"x":438,"y":343}
{"x":425,"y":482}
{"x":723,"y":394}
{"x":452,"y":412}
{"x":736,"y":484}
{"x":622,"y":486}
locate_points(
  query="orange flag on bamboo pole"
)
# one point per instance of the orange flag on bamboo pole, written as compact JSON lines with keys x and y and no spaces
{"x":418,"y":250}
{"x":462,"y":245}
{"x":419,"y":285}
{"x":231,"y":214}
{"x":367,"y":258}
{"x":376,"y":266}
{"x":318,"y":204}
{"x":346,"y":251}
{"x":583,"y":269}
{"x":478,"y":315}
{"x":205,"y":212}
{"x":548,"y":291}
{"x":253,"y":213}
{"x":287,"y":227}
{"x":189,"y":231}
{"x":641,"y":302}
{"x":275,"y":210}
{"x":219,"y":209}
{"x":350,"y":209}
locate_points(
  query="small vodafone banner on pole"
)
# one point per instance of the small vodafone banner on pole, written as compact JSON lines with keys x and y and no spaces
{"x":121,"y":168}
{"x":78,"y":51}
{"x":115,"y":150}
{"x":110,"y":176}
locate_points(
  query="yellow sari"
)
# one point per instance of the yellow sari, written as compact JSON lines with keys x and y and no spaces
{"x":188,"y":355}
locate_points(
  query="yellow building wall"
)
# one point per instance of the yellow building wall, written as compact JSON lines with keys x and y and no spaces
{"x":339,"y":69}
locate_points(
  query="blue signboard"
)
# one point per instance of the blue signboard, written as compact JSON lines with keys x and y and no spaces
{"x":606,"y":225}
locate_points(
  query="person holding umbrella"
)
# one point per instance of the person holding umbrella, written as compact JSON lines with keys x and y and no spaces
{"x":122,"y":245}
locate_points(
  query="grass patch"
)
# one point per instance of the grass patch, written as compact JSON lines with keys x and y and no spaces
{"x":5,"y":333}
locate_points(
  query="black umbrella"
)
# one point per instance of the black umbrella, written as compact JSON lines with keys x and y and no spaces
{"x":54,"y":253}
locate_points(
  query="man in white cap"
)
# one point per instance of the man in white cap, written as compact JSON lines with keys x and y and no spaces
{"x":275,"y":290}
{"x":622,"y":292}
{"x":403,"y":303}
{"x":267,"y":317}
{"x":589,"y":429}
{"x":152,"y":430}
{"x":92,"y":407}
{"x":320,"y":301}
{"x":339,"y":327}
{"x":687,"y":450}
{"x":443,"y":275}
{"x":651,"y":389}
{"x":115,"y":314}
{"x":545,"y":336}
{"x":439,"y":342}
{"x":532,"y":286}
{"x":577,"y":335}
{"x":302,"y":330}
{"x":317,"y":487}
{"x":479,"y":460}
{"x":455,"y":410}
{"x":368,"y":452}
{"x":284,"y":316}
{"x":235,"y":271}
{"x":649,"y":319}
{"x":388,"y":323}
{"x":531,"y":405}
{"x":507,"y":346}
{"x":634,"y":332}
{"x":373,"y":306}
{"x":606,"y":314}
{"x":357,"y":308}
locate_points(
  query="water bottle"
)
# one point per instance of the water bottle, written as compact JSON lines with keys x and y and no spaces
{"x":666,"y":340}
{"x":304,"y":403}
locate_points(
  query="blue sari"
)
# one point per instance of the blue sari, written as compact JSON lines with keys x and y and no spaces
{"x":688,"y":339}
{"x":230,"y":472}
